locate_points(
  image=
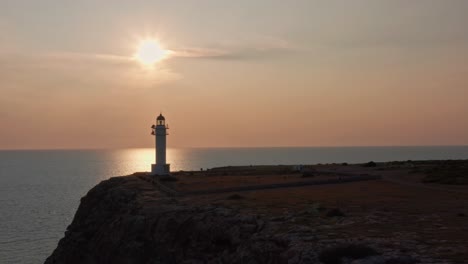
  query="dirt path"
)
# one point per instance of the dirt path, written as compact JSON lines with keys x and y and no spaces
{"x":284,"y":185}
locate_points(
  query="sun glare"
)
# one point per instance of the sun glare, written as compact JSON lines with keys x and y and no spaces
{"x":150,"y":52}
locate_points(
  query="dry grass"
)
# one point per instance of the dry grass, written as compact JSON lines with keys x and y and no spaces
{"x":372,"y":209}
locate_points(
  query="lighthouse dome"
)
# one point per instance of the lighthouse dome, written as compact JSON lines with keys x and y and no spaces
{"x":160,"y":117}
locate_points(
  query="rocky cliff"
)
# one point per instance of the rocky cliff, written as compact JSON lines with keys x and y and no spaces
{"x":126,"y":220}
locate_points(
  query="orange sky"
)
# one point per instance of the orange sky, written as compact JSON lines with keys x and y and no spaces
{"x":269,"y":73}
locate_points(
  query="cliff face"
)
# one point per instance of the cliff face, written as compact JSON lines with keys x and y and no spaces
{"x":125,"y":220}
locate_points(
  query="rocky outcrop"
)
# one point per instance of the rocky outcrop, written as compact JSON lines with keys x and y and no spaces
{"x":126,"y":220}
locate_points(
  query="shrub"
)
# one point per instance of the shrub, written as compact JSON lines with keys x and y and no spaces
{"x":335,"y":212}
{"x":307,"y":174}
{"x":370,"y":164}
{"x":168,"y":179}
{"x":335,"y":254}
{"x":235,"y":197}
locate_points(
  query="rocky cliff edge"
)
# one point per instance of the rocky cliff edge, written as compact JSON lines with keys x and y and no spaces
{"x":126,"y":220}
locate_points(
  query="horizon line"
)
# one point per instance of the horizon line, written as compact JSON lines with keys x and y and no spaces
{"x":230,"y":147}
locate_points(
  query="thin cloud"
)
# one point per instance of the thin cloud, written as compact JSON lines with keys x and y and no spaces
{"x":70,"y":69}
{"x":87,"y":56}
{"x":199,"y":53}
{"x":265,"y":47}
{"x":107,"y":71}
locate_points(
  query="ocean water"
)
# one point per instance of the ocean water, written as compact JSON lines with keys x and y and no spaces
{"x":40,"y":190}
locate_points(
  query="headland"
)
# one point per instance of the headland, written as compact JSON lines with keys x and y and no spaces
{"x":395,"y":212}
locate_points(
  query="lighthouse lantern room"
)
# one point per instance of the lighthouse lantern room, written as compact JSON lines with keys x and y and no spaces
{"x":160,"y":132}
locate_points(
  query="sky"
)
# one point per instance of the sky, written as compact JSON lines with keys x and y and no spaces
{"x":241,"y":73}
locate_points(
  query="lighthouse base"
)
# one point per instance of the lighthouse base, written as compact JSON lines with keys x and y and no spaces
{"x":160,"y":169}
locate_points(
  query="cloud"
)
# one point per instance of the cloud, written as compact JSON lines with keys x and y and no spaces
{"x":260,"y":48}
{"x":62,"y":69}
{"x":89,"y":57}
{"x":24,"y":74}
{"x":199,"y":53}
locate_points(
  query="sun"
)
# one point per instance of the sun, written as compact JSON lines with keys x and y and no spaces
{"x":149,"y":52}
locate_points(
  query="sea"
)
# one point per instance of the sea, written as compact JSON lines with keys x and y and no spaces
{"x":40,"y":190}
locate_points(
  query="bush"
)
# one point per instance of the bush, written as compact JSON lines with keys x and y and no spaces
{"x":370,"y":164}
{"x":168,"y":178}
{"x":335,"y":254}
{"x":401,"y":260}
{"x":307,"y":174}
{"x":335,"y":212}
{"x":235,"y":197}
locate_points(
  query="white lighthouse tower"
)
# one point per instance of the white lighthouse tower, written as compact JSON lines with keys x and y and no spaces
{"x":159,"y":131}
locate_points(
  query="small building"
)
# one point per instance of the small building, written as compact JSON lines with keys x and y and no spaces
{"x":297,"y":168}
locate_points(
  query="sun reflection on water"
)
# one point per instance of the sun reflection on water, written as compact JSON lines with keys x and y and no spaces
{"x":128,"y":161}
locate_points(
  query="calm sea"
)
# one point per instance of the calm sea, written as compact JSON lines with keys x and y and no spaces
{"x":40,"y":190}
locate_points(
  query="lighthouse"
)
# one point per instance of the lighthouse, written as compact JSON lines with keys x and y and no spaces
{"x":160,"y":133}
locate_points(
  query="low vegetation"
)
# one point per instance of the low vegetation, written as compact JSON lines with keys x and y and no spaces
{"x":370,"y":164}
{"x":335,"y":255}
{"x":335,"y":212}
{"x":168,"y":178}
{"x":235,"y":197}
{"x":253,"y":170}
{"x":447,"y":172}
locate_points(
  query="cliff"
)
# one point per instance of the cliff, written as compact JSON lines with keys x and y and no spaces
{"x":126,"y":220}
